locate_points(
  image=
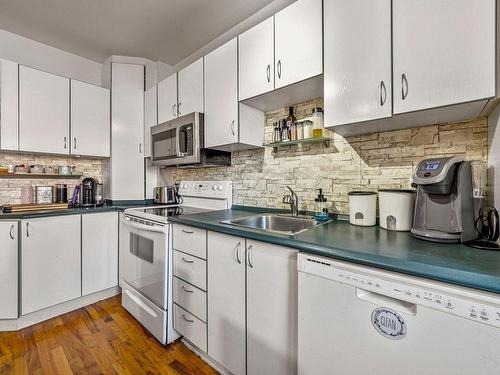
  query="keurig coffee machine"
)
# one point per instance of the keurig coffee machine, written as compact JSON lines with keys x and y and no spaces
{"x":445,"y":208}
{"x":88,"y":192}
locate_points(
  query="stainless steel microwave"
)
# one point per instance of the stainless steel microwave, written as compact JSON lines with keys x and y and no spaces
{"x":178,"y":141}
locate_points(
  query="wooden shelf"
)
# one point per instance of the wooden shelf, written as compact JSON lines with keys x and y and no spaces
{"x":277,"y":145}
{"x":39,"y":176}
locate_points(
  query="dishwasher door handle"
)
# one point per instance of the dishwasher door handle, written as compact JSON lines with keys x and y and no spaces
{"x":386,"y":301}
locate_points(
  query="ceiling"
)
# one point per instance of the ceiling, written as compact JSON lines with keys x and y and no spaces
{"x":160,"y":30}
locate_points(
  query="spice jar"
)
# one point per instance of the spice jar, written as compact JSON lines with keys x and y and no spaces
{"x":317,"y":122}
{"x":300,"y":130}
{"x":308,"y":129}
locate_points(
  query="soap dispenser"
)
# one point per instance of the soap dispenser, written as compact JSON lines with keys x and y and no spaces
{"x":320,"y":211}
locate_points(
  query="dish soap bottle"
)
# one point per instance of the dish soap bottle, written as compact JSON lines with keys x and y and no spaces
{"x":320,"y":211}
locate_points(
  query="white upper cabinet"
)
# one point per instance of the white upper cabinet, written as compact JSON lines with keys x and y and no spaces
{"x":221,"y":95}
{"x":150,"y":117}
{"x":190,"y":80}
{"x":9,"y":126}
{"x":444,"y":52}
{"x":167,"y":99}
{"x":8,"y":269}
{"x":256,"y":60}
{"x":43,"y":112}
{"x":298,"y":31}
{"x":357,"y":68}
{"x":127,"y":106}
{"x":90,"y":120}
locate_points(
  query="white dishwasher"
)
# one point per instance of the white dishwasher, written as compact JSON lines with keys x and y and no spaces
{"x":356,"y":320}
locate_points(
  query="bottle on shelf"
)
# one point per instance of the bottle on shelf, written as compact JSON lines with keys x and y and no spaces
{"x":317,"y":115}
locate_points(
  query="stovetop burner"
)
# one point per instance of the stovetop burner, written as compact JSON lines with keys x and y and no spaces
{"x":170,"y":211}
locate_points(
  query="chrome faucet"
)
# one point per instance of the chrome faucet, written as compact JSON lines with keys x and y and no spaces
{"x":293,"y":201}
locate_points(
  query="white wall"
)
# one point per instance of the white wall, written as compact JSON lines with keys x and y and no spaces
{"x":41,"y":56}
{"x":494,"y":154}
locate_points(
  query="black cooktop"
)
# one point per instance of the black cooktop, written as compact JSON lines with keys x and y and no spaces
{"x":173,"y":211}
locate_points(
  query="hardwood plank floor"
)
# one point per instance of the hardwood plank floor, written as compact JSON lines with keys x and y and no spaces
{"x":102,"y":338}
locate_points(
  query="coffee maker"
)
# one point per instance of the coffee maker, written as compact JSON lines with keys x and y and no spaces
{"x":445,"y":207}
{"x":88,"y":192}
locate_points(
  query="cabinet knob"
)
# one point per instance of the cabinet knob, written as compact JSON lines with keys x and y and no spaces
{"x":383,"y":93}
{"x":11,"y":232}
{"x":65,"y":143}
{"x":249,"y":256}
{"x":268,"y":72}
{"x":179,"y":108}
{"x":74,"y":143}
{"x":27,"y":229}
{"x":279,"y":68}
{"x":232,"y":127}
{"x":187,"y":261}
{"x":237,"y":249}
{"x":404,"y":86}
{"x":186,"y":319}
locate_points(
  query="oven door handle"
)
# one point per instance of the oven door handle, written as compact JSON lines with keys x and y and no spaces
{"x":148,"y":228}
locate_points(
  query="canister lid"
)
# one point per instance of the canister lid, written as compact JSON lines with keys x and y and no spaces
{"x":355,"y":193}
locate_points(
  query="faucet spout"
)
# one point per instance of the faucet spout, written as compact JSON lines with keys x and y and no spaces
{"x":293,"y":201}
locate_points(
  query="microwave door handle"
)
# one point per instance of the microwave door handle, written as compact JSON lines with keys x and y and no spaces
{"x":179,"y":152}
{"x":148,"y":228}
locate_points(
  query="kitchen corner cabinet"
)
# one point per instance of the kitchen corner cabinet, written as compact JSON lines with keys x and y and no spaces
{"x":167,"y":99}
{"x":190,"y":88}
{"x":298,"y":33}
{"x":256,"y":60}
{"x":9,"y":89}
{"x":90,"y":120}
{"x":51,"y":261}
{"x":443,"y":52}
{"x":99,"y":252}
{"x":357,"y":67}
{"x":150,"y":117}
{"x":8,"y":269}
{"x":44,"y":110}
{"x":229,"y":125}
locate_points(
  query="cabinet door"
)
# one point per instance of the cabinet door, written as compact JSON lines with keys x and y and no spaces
{"x":226,"y":301}
{"x":271,"y":309}
{"x":167,"y":99}
{"x":298,"y":42}
{"x":150,"y":117}
{"x":221,"y":95}
{"x":191,"y":88}
{"x":90,"y":122}
{"x":43,"y":112}
{"x":256,"y":60}
{"x":9,"y":85}
{"x":357,"y":75}
{"x":99,"y":252}
{"x":8,"y":270}
{"x":127,"y":105}
{"x":51,"y":261}
{"x":443,"y":52}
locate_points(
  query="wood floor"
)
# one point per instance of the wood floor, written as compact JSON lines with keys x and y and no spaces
{"x":98,"y":339}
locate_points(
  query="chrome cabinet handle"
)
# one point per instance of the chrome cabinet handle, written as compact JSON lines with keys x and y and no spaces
{"x":279,"y":68}
{"x":187,"y":231}
{"x":268,"y":71}
{"x":237,"y":252}
{"x":186,"y":319}
{"x":27,"y":229}
{"x":404,"y":86}
{"x":187,"y":290}
{"x":173,"y":110}
{"x":179,"y":108}
{"x":187,"y":261}
{"x":383,"y":93}
{"x":249,"y":256}
{"x":232,"y":127}
{"x":140,"y":148}
{"x":65,"y":143}
{"x":74,"y":143}
{"x":11,"y":232}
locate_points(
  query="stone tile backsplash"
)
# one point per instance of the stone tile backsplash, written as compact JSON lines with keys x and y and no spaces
{"x":10,"y":189}
{"x":366,"y":162}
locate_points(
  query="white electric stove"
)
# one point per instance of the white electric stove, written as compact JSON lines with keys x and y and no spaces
{"x":146,"y":253}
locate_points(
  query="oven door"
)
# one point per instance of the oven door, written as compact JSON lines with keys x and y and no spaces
{"x":178,"y":141}
{"x":145,"y":258}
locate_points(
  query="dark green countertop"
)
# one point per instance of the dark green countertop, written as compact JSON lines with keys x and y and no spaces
{"x":373,"y":246}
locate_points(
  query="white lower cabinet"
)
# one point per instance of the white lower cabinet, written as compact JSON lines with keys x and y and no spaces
{"x":51,"y":261}
{"x":8,"y":269}
{"x":99,"y":252}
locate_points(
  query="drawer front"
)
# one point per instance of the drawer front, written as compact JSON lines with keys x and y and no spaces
{"x":190,"y":327}
{"x":190,"y":298}
{"x":190,"y":269}
{"x":190,"y":240}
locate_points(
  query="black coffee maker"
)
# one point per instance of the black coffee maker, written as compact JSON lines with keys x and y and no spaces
{"x":88,"y":192}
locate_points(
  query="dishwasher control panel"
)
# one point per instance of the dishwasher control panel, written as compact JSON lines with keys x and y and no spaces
{"x":474,"y":305}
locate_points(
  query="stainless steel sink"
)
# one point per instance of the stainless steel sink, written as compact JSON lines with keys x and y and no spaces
{"x":283,"y":224}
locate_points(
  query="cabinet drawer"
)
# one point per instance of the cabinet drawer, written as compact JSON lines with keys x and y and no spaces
{"x":190,"y":327}
{"x":190,"y":240}
{"x":190,"y":298}
{"x":190,"y":269}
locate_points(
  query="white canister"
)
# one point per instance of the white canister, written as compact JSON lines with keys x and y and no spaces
{"x":363,"y":208}
{"x":396,"y":209}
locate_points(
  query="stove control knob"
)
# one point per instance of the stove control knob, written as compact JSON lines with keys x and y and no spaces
{"x":221,"y":187}
{"x":214,"y":187}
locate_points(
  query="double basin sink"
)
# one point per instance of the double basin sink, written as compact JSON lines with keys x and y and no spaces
{"x":276,"y":223}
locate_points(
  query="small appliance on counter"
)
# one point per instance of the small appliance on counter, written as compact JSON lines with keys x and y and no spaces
{"x":363,"y":208}
{"x":91,"y":193}
{"x":445,"y":207}
{"x":396,"y":208}
{"x":320,"y":210}
{"x":166,"y":195}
